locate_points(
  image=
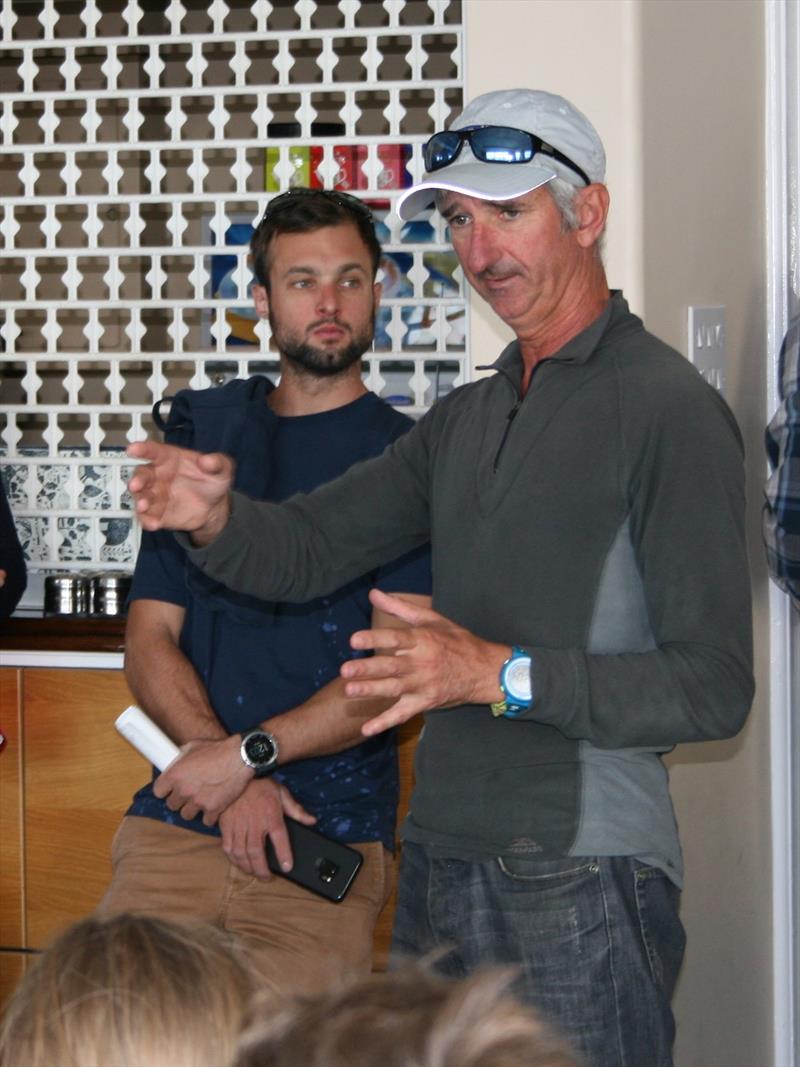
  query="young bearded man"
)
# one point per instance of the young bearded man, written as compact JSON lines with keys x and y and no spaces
{"x":214,"y":667}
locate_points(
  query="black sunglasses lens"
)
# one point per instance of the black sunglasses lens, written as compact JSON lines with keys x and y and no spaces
{"x":441,"y":149}
{"x":501,"y":144}
{"x":492,"y":144}
{"x":489,"y":144}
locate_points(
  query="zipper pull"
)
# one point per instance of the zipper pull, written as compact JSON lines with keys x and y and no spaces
{"x":509,"y":419}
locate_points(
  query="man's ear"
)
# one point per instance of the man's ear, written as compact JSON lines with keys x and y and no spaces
{"x":592,"y":210}
{"x":261,"y":301}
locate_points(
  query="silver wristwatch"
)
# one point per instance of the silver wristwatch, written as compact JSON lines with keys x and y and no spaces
{"x":260,"y":751}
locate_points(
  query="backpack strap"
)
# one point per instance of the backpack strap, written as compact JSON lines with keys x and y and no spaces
{"x":186,"y":423}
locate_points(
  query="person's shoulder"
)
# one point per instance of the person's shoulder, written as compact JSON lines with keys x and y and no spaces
{"x":660,"y":387}
{"x":382,"y":418}
{"x":451,"y":404}
{"x":237,"y":391}
{"x":651,"y":364}
{"x":234,"y":393}
{"x":459,"y":408}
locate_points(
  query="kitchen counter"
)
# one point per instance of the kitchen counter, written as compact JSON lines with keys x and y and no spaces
{"x":34,"y":641}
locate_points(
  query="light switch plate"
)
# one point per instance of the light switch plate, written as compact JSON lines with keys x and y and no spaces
{"x":707,"y":343}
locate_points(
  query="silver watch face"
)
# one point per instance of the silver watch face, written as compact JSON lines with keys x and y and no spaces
{"x":260,"y":749}
{"x":518,"y":679}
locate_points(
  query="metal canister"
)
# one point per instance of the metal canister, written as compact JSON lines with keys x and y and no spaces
{"x":109,"y":591}
{"x":66,"y":594}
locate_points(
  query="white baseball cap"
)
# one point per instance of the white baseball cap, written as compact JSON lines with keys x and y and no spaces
{"x":549,"y":117}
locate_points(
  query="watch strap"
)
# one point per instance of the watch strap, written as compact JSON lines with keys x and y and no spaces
{"x":510,"y":707}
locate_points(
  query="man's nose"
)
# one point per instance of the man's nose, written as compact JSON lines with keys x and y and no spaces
{"x":481,"y":251}
{"x":328,"y":298}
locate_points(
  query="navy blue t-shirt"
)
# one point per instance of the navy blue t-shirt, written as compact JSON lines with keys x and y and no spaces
{"x":259,"y":659}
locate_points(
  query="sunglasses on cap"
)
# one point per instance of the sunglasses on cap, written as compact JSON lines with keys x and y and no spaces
{"x":491,"y":144}
{"x":344,"y":200}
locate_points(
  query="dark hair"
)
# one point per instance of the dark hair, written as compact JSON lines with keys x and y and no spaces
{"x":304,"y":210}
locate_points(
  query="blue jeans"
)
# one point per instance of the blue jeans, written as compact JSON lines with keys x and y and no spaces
{"x":597,"y":941}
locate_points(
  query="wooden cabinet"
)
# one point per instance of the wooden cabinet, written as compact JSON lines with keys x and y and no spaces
{"x":66,"y":777}
{"x":12,"y":959}
{"x":80,"y":776}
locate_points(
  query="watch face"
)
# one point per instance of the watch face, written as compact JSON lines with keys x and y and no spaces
{"x":260,"y":749}
{"x":518,"y":679}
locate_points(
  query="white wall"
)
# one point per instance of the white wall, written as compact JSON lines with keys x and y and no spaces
{"x":704,"y":240}
{"x":676,"y":90}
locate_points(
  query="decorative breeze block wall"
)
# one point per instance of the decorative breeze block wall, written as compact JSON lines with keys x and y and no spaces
{"x":140,"y":142}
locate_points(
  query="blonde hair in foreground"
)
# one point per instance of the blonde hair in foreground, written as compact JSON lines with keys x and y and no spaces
{"x":408,"y":1018}
{"x":129,"y":991}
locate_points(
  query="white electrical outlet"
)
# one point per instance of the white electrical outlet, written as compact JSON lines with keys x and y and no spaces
{"x":707,"y":343}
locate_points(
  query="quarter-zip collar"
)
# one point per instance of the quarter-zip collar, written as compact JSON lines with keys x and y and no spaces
{"x":579,"y":349}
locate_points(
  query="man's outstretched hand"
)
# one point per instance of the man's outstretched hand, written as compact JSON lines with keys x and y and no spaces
{"x":180,"y":489}
{"x":432,"y":663}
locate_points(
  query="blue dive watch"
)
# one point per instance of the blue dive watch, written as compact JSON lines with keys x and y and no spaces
{"x":515,"y":681}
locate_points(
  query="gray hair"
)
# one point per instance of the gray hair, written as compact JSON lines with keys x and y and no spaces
{"x":564,"y":194}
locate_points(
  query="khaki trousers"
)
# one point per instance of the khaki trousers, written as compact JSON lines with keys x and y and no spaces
{"x":298,"y":941}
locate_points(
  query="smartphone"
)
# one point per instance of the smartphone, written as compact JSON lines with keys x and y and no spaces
{"x":324,"y":866}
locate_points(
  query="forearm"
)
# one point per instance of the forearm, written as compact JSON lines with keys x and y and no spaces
{"x":330,"y":720}
{"x":651,"y":699}
{"x":166,"y":686}
{"x":327,"y":723}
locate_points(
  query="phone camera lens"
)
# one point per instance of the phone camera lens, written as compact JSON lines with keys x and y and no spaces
{"x":327,"y":870}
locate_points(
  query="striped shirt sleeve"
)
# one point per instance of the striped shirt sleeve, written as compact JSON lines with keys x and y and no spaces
{"x":781,"y":515}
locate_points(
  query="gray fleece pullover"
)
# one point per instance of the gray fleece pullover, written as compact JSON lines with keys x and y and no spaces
{"x":598,"y":522}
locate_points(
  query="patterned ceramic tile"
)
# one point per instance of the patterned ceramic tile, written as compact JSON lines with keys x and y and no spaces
{"x":74,"y":538}
{"x":53,"y":486}
{"x":96,"y":480}
{"x":15,"y":476}
{"x":125,"y":500}
{"x":33,"y":538}
{"x":117,"y":541}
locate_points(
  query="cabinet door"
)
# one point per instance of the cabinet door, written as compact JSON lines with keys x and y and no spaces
{"x":79,"y":779}
{"x":11,"y":924}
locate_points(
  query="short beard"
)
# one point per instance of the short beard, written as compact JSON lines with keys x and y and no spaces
{"x":321,"y":362}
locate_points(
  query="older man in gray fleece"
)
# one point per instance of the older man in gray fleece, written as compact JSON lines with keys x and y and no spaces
{"x":585,"y":505}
